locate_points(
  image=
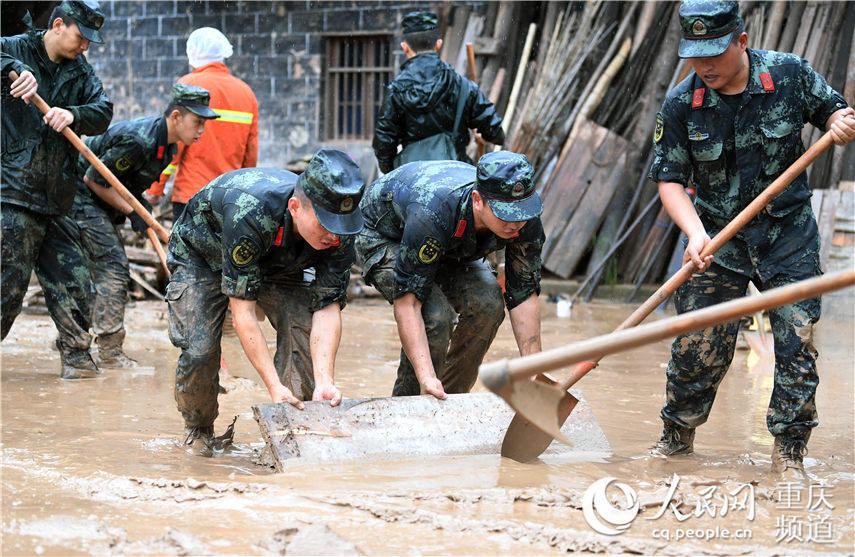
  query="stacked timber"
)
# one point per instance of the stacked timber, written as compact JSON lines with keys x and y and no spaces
{"x":591,"y":89}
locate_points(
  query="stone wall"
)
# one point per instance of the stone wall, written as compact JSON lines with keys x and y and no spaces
{"x":277,"y":51}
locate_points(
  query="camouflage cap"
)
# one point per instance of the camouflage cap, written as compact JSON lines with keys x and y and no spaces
{"x":195,"y":99}
{"x":88,"y":16}
{"x":707,"y":27}
{"x":334,"y":184}
{"x":504,"y":179}
{"x":417,"y":22}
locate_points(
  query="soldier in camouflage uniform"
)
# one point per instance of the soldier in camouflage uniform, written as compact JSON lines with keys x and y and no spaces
{"x":731,"y":128}
{"x":136,"y":151}
{"x":422,"y":100}
{"x":243,"y":241}
{"x":37,"y":187}
{"x":428,"y":226}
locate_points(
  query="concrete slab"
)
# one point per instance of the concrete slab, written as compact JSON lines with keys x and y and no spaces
{"x":406,"y":428}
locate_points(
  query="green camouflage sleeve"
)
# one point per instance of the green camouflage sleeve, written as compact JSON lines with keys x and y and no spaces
{"x":671,"y":146}
{"x":821,"y":101}
{"x":247,"y":236}
{"x":523,"y":264}
{"x":422,"y":244}
{"x":122,"y":158}
{"x":333,"y":275}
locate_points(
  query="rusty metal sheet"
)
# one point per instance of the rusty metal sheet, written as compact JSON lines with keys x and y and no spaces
{"x":406,"y":428}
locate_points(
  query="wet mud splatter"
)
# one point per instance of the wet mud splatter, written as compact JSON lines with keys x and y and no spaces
{"x":97,"y":467}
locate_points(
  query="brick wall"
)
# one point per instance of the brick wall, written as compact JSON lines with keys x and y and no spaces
{"x":277,"y":49}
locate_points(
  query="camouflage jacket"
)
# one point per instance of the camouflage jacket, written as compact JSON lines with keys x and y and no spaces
{"x":135,"y":151}
{"x":38,"y":163}
{"x":426,"y":207}
{"x":239,"y":224}
{"x":422,"y":101}
{"x":730,"y":157}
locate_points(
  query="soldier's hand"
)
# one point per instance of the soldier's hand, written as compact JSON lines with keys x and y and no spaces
{"x":479,"y":139}
{"x":25,"y":86}
{"x":58,"y":118}
{"x":693,"y":252}
{"x":842,"y":127}
{"x":137,"y":223}
{"x":433,"y":386}
{"x":281,"y":393}
{"x":327,"y":391}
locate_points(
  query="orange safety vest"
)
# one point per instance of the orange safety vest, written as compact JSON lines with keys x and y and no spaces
{"x":228,"y":143}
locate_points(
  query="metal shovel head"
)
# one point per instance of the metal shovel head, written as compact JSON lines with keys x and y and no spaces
{"x":406,"y":428}
{"x":542,"y":409}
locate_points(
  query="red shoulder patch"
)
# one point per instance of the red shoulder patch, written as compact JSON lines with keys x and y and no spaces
{"x":278,"y":240}
{"x":766,"y":80}
{"x":160,"y":149}
{"x":461,"y":228}
{"x":698,"y":98}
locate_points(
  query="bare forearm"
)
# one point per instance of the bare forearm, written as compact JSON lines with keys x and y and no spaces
{"x":525,"y":321}
{"x":324,"y":341}
{"x":254,"y":344}
{"x":680,"y":208}
{"x":411,"y":329}
{"x":109,"y":196}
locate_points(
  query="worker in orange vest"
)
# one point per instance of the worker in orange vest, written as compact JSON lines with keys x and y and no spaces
{"x":231,"y":141}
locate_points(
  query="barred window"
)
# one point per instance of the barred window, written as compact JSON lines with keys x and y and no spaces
{"x":356,"y":71}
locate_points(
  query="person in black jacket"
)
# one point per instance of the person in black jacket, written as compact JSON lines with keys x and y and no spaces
{"x":38,"y":166}
{"x":422,"y":100}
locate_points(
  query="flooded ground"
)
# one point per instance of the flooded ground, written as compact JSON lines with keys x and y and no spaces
{"x":94,"y":466}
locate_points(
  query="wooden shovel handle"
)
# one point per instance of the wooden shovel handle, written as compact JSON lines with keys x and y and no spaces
{"x":744,"y":217}
{"x":155,"y":243}
{"x":496,"y":375}
{"x":102,"y":168}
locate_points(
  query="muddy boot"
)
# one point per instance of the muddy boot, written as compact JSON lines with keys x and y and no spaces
{"x":787,"y":458}
{"x":110,"y":353}
{"x":76,"y":363}
{"x":675,"y":440}
{"x":199,"y":440}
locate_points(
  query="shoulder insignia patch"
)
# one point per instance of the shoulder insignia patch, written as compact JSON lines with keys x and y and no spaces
{"x":123,"y":163}
{"x":430,"y":250}
{"x":244,"y":252}
{"x":698,"y":98}
{"x":660,"y":128}
{"x":766,"y":80}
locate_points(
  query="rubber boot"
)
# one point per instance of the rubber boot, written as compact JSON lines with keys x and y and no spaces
{"x":788,"y":458}
{"x":76,"y":363}
{"x":110,"y":353}
{"x":199,"y":440}
{"x":675,"y":440}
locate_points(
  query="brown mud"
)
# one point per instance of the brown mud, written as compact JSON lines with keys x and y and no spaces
{"x":95,"y":466}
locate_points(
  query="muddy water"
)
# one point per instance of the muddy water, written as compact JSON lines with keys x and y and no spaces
{"x":94,"y":466}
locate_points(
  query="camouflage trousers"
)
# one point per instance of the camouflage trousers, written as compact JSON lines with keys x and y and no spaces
{"x":462,"y":315}
{"x":699,"y":360}
{"x":50,"y":245}
{"x":108,"y":265}
{"x":197,"y":310}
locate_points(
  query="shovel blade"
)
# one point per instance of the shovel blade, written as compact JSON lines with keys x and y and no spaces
{"x":542,"y":409}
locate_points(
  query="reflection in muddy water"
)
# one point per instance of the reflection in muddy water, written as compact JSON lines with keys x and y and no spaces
{"x":96,"y":467}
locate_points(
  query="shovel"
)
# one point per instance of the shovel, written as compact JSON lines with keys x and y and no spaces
{"x":762,"y":355}
{"x":506,"y":377}
{"x":542,"y":407}
{"x":111,"y":178}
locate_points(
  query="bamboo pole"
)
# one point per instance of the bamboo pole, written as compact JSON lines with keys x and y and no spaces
{"x":515,"y":91}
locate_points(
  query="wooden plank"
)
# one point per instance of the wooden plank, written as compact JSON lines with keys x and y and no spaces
{"x":609,"y":169}
{"x":827,"y":219}
{"x":816,"y":203}
{"x":409,"y":428}
{"x":568,"y":183}
{"x":486,"y":46}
